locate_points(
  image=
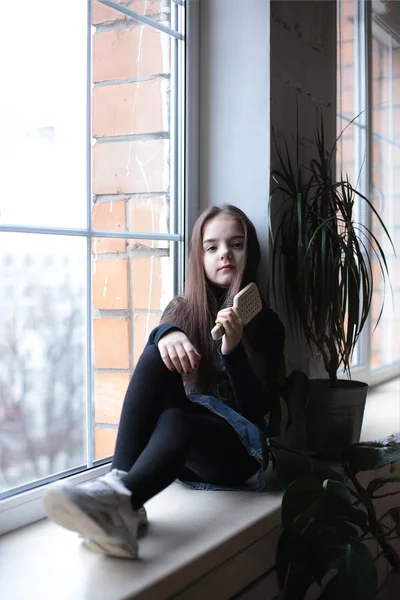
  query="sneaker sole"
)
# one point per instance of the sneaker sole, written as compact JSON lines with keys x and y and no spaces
{"x":143,"y":523}
{"x":61,"y":510}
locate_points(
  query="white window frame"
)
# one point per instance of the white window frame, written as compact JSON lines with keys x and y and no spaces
{"x":363,"y":98}
{"x":25,"y":505}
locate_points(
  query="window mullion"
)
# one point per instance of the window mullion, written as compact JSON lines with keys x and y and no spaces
{"x":89,"y":303}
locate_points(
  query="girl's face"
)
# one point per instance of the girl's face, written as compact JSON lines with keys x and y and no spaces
{"x":223,"y":249}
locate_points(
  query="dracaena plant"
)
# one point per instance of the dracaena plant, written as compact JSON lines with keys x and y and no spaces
{"x":326,"y":524}
{"x":321,"y":255}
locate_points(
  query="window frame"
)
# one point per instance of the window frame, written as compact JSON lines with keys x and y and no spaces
{"x":23,"y":505}
{"x":364,"y":36}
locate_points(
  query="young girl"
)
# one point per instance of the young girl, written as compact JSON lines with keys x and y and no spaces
{"x":193,"y":411}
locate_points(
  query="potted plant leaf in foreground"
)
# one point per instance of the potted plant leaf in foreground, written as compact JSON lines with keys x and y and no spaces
{"x":326,"y":524}
{"x":322,"y":272}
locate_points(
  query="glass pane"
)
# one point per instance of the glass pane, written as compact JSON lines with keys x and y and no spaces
{"x":386,"y":170}
{"x":132,"y":284}
{"x":42,"y":356}
{"x":43,"y":117}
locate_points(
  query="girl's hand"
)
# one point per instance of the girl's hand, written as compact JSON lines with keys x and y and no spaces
{"x":178,"y":353}
{"x":233,"y":325}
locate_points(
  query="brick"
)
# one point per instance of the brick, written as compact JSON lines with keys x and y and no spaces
{"x":396,"y":211}
{"x":111,"y":343}
{"x":143,"y":324}
{"x":132,"y":108}
{"x":347,"y":74}
{"x":149,"y":215}
{"x":347,"y":105}
{"x":396,"y":149}
{"x":377,"y":274}
{"x":384,"y":341}
{"x":103,"y":14}
{"x":110,"y":284}
{"x":104,"y":440}
{"x":345,"y":149}
{"x":376,"y":305}
{"x":105,"y":245}
{"x":148,"y":7}
{"x":375,"y":360}
{"x":130,"y":167}
{"x":396,"y":97}
{"x":396,"y":64}
{"x":348,"y":9}
{"x":109,"y":215}
{"x":347,"y":49}
{"x":151,"y":282}
{"x":140,"y":51}
{"x":110,"y":389}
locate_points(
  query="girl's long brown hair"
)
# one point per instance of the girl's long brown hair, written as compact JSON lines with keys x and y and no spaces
{"x":195,"y":313}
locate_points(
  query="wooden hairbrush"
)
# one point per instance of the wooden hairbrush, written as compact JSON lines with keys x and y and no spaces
{"x":248,"y":301}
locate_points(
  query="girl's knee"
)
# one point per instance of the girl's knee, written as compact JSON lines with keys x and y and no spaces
{"x":151,"y":350}
{"x":152,"y":361}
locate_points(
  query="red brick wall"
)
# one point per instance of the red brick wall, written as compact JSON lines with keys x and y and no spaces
{"x":130,"y":183}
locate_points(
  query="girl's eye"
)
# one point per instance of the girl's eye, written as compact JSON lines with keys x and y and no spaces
{"x":237,"y":245}
{"x":211,"y":248}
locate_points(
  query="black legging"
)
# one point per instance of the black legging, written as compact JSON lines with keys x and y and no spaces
{"x":162,"y":435}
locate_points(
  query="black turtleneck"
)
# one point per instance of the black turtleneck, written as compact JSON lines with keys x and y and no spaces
{"x":249,"y":393}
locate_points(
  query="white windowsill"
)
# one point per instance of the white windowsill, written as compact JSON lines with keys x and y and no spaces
{"x":190,"y":533}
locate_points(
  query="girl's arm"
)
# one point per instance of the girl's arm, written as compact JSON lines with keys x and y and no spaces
{"x":158,"y":332}
{"x":254,"y":397}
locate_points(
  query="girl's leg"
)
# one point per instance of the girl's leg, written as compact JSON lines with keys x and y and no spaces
{"x":101,"y":509}
{"x":152,"y":389}
{"x":202,"y":441}
{"x":217,"y":455}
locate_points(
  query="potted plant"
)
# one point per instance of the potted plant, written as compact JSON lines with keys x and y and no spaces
{"x":321,"y":269}
{"x":326,"y":526}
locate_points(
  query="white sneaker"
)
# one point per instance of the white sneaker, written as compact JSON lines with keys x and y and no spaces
{"x":99,"y":510}
{"x":143,"y":520}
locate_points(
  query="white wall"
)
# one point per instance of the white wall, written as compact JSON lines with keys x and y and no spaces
{"x":234,"y":107}
{"x":257,"y":58}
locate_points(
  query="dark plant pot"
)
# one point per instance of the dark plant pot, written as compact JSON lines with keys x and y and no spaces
{"x":334,"y":416}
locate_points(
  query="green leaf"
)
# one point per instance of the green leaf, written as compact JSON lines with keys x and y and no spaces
{"x":289,"y":549}
{"x":379,"y":482}
{"x":289,"y":464}
{"x":338,"y":504}
{"x":338,"y":489}
{"x":326,"y":547}
{"x":356,"y":577}
{"x":301,"y":502}
{"x":299,"y":579}
{"x":345,"y":529}
{"x":395,"y":514}
{"x":369,"y":456}
{"x":321,"y":471}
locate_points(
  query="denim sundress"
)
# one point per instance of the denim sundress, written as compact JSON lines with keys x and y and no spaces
{"x":253,"y":438}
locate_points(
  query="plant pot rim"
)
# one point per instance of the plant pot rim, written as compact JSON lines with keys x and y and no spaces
{"x":342,"y":384}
